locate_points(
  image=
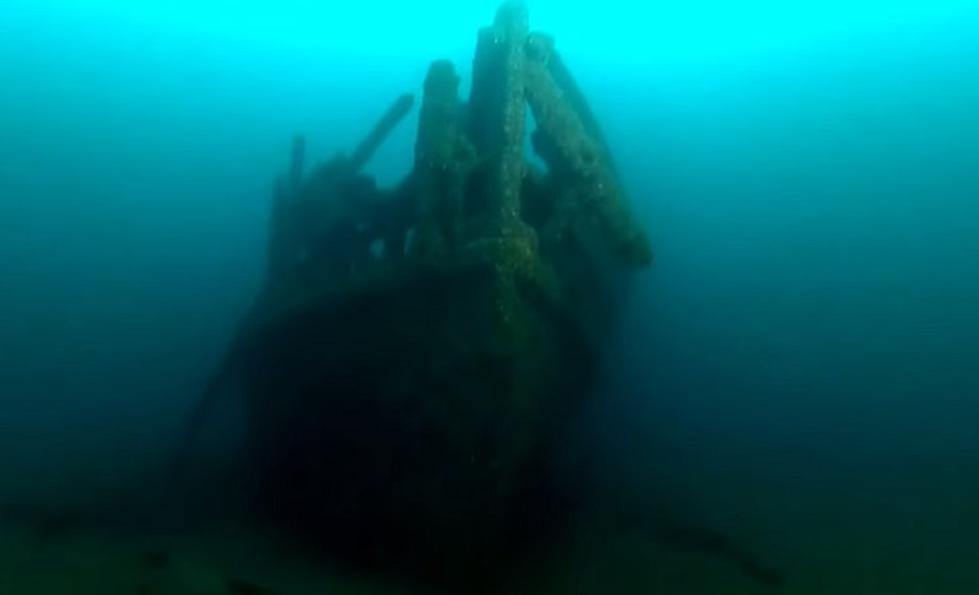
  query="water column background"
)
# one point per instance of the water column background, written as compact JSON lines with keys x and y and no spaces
{"x":801,"y":361}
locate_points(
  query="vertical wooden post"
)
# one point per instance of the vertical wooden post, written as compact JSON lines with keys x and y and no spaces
{"x":440,"y":163}
{"x":497,"y":111}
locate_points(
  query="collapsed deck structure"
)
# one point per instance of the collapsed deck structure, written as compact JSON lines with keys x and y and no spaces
{"x":416,"y":352}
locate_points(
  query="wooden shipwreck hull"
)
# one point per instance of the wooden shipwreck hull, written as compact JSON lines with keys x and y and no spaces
{"x":401,"y":423}
{"x":416,"y":352}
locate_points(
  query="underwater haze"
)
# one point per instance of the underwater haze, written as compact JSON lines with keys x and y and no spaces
{"x":798,"y":367}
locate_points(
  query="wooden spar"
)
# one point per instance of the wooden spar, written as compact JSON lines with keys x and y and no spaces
{"x":576,"y":99}
{"x":563,"y":141}
{"x":394,"y":114}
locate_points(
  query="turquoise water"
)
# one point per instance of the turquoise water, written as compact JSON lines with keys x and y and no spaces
{"x":800,"y":367}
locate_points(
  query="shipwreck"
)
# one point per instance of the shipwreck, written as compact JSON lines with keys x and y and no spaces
{"x":416,"y":352}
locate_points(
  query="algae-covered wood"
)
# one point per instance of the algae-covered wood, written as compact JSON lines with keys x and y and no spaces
{"x":416,"y":352}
